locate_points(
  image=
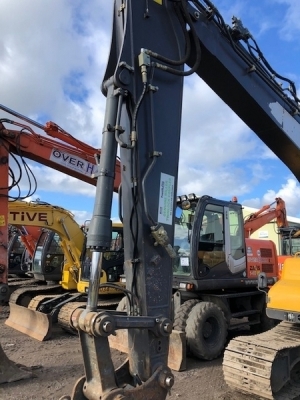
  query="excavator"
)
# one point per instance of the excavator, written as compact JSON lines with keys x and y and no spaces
{"x":60,"y":267}
{"x":289,"y":235}
{"x":215,"y":277}
{"x":152,"y":41}
{"x":217,"y":269}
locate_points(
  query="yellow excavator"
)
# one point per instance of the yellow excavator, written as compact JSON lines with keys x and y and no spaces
{"x":60,"y":268}
{"x":268,"y":365}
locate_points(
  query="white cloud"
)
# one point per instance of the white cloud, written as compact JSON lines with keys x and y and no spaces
{"x":81,"y":217}
{"x":42,"y":48}
{"x":53,"y":56}
{"x":290,"y":23}
{"x":56,"y":182}
{"x":290,"y":193}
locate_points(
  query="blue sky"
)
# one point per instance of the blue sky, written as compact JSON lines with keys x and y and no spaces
{"x":52,"y":59}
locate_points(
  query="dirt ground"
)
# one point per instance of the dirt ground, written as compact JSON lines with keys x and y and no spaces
{"x":61,"y":365}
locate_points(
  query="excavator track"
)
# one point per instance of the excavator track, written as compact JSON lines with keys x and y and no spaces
{"x":28,"y":292}
{"x":265,"y":366}
{"x":16,"y":283}
{"x":12,"y":279}
{"x":66,"y":312}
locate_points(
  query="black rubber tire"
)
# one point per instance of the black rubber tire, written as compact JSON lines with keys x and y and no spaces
{"x":182,"y":314}
{"x":206,"y":331}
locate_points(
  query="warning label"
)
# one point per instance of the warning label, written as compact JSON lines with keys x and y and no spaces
{"x":166,"y":199}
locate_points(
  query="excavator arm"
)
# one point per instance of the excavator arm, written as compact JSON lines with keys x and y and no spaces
{"x":138,"y":98}
{"x":265,"y":215}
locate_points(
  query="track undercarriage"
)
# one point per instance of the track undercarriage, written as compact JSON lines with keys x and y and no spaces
{"x":265,"y":366}
{"x":34,"y":309}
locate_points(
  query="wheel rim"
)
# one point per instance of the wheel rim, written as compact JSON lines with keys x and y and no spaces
{"x":210,"y":330}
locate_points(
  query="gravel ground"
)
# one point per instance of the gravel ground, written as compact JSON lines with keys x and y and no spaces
{"x":61,"y":365}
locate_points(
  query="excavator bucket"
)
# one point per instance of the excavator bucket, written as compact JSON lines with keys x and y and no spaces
{"x":11,"y":372}
{"x":33,"y":323}
{"x":177,"y":347}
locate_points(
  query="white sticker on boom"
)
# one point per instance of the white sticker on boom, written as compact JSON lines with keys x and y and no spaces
{"x":166,"y":199}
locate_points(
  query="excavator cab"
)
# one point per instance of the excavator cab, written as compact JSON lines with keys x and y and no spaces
{"x":210,"y":245}
{"x":290,"y":241}
{"x":209,"y":241}
{"x":49,"y":257}
{"x":16,"y":255}
{"x":289,"y":245}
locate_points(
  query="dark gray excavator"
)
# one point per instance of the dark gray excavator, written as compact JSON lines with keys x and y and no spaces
{"x":155,"y":44}
{"x":152,"y":41}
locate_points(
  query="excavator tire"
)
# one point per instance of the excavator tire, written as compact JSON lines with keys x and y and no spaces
{"x":182,"y":314}
{"x":265,"y":366}
{"x":11,"y":372}
{"x":206,"y":330}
